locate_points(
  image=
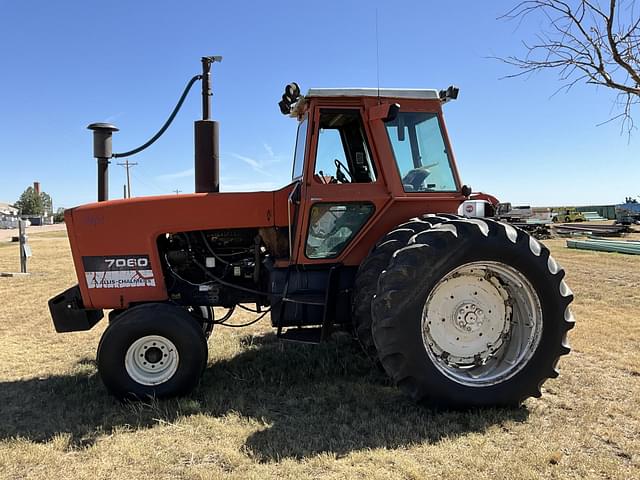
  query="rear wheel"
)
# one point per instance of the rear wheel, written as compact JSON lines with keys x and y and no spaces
{"x":472,"y":313}
{"x":369,"y":271}
{"x":153,"y":350}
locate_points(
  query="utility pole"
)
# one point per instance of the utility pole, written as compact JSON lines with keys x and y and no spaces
{"x":127,"y":164}
{"x":177,"y":191}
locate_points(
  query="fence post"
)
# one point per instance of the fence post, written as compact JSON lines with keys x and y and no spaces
{"x":25,"y":250}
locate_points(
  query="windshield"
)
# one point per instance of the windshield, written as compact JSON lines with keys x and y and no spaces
{"x":301,"y":141}
{"x":420,"y":152}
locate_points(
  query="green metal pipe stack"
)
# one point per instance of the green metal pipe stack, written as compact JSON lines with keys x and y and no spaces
{"x":631,"y":247}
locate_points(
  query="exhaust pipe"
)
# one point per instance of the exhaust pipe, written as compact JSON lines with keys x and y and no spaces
{"x":206,"y":134}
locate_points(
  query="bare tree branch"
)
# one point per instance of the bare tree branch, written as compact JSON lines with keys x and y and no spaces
{"x":585,"y":42}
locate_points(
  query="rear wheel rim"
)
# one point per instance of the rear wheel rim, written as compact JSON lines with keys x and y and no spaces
{"x":482,"y":323}
{"x":152,"y":360}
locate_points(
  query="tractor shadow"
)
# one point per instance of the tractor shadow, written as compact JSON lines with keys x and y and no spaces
{"x":314,"y":399}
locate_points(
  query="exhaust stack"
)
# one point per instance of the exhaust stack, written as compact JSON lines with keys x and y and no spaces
{"x":206,"y":134}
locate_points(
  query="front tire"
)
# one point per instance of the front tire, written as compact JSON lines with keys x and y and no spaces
{"x":153,"y":351}
{"x":472,"y":313}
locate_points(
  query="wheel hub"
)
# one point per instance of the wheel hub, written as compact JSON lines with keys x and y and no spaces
{"x":152,"y":360}
{"x":465,"y":334}
{"x":471,"y":316}
{"x":153,"y":355}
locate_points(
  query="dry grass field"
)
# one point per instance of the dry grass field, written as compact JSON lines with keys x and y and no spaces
{"x":266,"y":409}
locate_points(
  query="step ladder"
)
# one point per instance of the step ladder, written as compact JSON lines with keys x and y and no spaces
{"x":326,"y":300}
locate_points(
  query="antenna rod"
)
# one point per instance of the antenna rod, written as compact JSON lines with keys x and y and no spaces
{"x":377,"y":58}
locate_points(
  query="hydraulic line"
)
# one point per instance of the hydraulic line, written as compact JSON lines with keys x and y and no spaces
{"x":246,"y":324}
{"x":215,"y":279}
{"x":166,"y":124}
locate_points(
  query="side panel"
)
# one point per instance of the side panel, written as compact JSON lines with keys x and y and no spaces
{"x":121,"y":237}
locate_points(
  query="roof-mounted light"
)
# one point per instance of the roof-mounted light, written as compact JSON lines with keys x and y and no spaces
{"x":450,"y":93}
{"x":289,"y":98}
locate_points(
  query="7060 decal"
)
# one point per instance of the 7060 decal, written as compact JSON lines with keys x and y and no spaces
{"x":127,"y":262}
{"x":118,"y":271}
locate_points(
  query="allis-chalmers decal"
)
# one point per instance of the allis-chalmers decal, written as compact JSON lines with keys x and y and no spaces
{"x":123,"y":271}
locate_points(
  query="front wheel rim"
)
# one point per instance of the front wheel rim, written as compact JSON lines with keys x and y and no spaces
{"x":482,"y":323}
{"x":152,"y":360}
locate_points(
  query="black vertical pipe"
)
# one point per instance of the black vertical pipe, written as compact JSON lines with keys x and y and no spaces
{"x":206,"y":88}
{"x":102,"y":151}
{"x":103,"y":179}
{"x":207,"y":158}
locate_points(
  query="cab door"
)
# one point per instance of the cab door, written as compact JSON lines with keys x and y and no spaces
{"x":343,"y":190}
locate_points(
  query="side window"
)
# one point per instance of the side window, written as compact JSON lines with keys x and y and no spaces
{"x":420,"y":152}
{"x":342,"y":155}
{"x":333,"y":225}
{"x":301,"y":142}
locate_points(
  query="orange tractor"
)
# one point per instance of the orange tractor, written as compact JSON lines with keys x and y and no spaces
{"x":459,"y":312}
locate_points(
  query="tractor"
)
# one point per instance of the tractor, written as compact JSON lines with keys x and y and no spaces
{"x":459,"y":312}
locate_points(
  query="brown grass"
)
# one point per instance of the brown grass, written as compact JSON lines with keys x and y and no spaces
{"x":271,"y":410}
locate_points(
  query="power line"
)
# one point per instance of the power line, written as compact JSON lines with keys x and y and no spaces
{"x":151,"y":186}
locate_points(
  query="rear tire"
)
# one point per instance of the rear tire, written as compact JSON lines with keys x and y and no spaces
{"x":153,"y":350}
{"x":366,"y":281}
{"x":455,"y":283}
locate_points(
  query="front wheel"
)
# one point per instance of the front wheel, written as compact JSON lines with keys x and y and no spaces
{"x":153,"y":351}
{"x":472,"y":313}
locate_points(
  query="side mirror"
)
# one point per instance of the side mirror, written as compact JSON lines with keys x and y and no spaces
{"x":388,"y":112}
{"x":466,"y":190}
{"x":392,"y":114}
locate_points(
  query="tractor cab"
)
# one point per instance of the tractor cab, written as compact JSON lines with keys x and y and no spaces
{"x":358,"y":152}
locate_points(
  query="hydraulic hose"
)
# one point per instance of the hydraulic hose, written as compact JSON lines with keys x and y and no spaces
{"x":166,"y":124}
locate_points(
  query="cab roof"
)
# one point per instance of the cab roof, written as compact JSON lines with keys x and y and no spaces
{"x":418,"y":93}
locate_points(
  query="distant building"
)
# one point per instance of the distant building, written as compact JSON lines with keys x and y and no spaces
{"x":8,"y":216}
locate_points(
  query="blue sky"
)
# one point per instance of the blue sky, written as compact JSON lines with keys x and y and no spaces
{"x":67,"y":64}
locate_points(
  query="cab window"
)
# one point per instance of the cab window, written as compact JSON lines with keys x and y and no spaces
{"x":301,"y":142}
{"x":420,"y":153}
{"x":342,"y":155}
{"x":333,"y":225}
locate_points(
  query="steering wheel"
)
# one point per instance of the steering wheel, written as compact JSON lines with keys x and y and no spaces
{"x":340,"y":175}
{"x":417,"y":176}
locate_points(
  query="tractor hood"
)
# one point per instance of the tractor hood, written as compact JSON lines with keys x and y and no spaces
{"x":126,"y":232}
